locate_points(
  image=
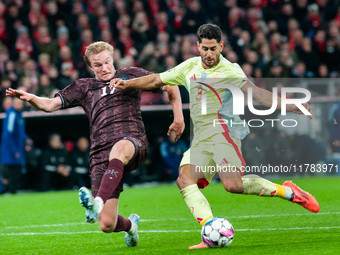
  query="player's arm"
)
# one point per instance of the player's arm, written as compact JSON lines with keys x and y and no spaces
{"x":175,"y":98}
{"x":149,"y":82}
{"x":40,"y":103}
{"x":265,"y":98}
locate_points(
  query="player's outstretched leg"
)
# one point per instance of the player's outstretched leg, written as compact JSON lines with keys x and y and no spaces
{"x":131,"y":236}
{"x":302,"y":197}
{"x":92,"y":206}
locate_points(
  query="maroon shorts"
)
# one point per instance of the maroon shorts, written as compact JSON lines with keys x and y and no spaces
{"x":138,"y":158}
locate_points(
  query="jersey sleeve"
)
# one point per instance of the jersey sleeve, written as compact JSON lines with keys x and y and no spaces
{"x":73,"y":94}
{"x":238,"y":76}
{"x":174,"y":76}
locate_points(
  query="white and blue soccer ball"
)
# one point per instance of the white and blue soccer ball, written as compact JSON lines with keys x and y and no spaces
{"x":217,"y":232}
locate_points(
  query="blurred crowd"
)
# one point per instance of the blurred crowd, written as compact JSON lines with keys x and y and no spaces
{"x":42,"y":42}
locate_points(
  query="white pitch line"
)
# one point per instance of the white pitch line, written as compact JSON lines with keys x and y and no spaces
{"x":184,"y":219}
{"x":170,"y":231}
{"x":51,"y":225}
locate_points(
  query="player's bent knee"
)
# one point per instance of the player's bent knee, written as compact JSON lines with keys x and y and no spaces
{"x":183,"y":181}
{"x":107,"y":225}
{"x":234,"y":186}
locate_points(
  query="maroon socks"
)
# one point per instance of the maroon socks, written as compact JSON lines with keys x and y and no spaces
{"x":123,"y":224}
{"x":111,"y":179}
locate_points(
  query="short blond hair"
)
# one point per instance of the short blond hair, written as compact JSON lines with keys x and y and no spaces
{"x":95,"y":48}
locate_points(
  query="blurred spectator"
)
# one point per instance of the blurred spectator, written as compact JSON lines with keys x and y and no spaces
{"x":34,"y":14}
{"x":162,"y":49}
{"x":235,"y":20}
{"x":147,"y":59}
{"x":171,"y":153}
{"x":293,"y":26}
{"x":25,"y":84}
{"x":253,"y":16}
{"x":232,"y":57}
{"x":308,"y":56}
{"x":80,"y":161}
{"x":53,"y":75}
{"x":13,"y":21}
{"x":163,"y":25}
{"x":275,"y":41}
{"x":299,"y":71}
{"x":13,"y":138}
{"x":313,"y":20}
{"x":285,"y":14}
{"x":54,"y":17}
{"x":86,"y":40}
{"x":259,"y":40}
{"x":44,"y":63}
{"x":252,"y":59}
{"x":323,"y":71}
{"x":65,"y":57}
{"x":286,"y":59}
{"x":45,"y":87}
{"x":7,"y":102}
{"x":23,"y":41}
{"x":300,"y":9}
{"x":3,"y":34}
{"x":76,"y":10}
{"x":4,"y":57}
{"x":11,"y":73}
{"x":319,"y":43}
{"x":45,"y":43}
{"x":5,"y":84}
{"x":142,"y":33}
{"x":272,"y":27}
{"x":275,"y":70}
{"x":30,"y":70}
{"x":106,"y":36}
{"x":56,"y":172}
{"x":243,"y":45}
{"x":126,"y":40}
{"x":31,"y":177}
{"x":66,"y":76}
{"x":186,"y":49}
{"x":63,"y":38}
{"x":247,"y":69}
{"x":193,"y":18}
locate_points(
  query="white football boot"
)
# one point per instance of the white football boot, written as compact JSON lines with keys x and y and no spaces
{"x":131,"y":236}
{"x":92,"y":206}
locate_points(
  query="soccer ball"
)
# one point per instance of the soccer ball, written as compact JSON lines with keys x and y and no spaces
{"x":217,"y":232}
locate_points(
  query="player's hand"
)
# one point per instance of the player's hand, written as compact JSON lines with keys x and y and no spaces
{"x":178,"y":128}
{"x":23,"y":95}
{"x":295,"y":109}
{"x":118,"y":83}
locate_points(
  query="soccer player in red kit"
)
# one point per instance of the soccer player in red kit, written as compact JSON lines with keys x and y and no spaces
{"x":118,"y":140}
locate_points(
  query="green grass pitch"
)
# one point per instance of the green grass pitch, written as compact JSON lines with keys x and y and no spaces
{"x":53,"y":223}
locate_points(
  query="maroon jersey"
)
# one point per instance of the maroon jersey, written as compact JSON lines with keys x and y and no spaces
{"x":113,"y":114}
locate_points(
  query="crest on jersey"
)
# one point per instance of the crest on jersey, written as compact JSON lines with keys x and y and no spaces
{"x":124,"y":76}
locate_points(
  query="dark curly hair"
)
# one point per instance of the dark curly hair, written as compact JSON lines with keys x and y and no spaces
{"x":209,"y":31}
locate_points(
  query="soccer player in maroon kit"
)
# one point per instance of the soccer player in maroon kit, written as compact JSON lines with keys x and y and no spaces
{"x":118,"y":140}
